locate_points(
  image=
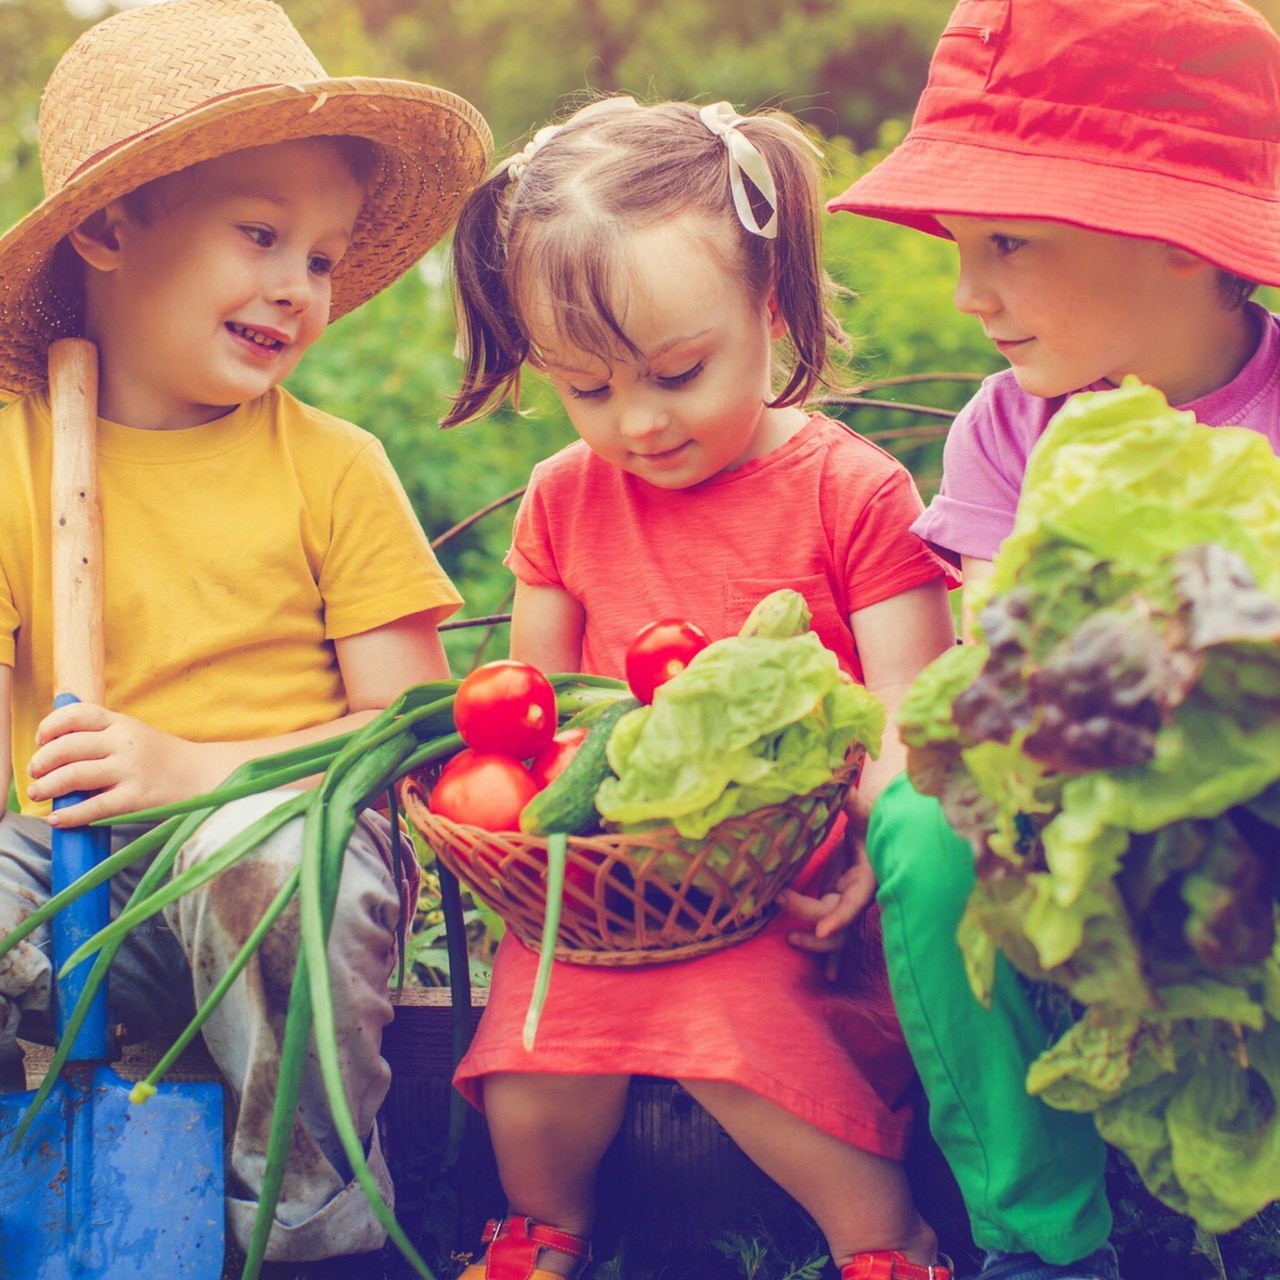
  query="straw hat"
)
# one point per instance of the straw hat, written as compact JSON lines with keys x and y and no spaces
{"x":1151,"y":118}
{"x":156,"y":89}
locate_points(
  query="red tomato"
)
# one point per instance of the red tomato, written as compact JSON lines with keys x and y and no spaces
{"x":551,"y":763}
{"x":483,"y":789}
{"x":508,"y":707}
{"x":659,"y":651}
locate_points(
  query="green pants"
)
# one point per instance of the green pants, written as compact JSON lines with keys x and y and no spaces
{"x":1031,"y":1177}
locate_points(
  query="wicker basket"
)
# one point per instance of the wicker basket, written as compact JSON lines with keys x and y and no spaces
{"x":644,"y":897}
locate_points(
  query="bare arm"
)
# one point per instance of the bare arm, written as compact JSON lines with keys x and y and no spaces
{"x":132,"y":765}
{"x":546,"y":628}
{"x":975,"y":571}
{"x":896,"y":640}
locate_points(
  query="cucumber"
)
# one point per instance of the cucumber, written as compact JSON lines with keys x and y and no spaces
{"x":568,"y":805}
{"x":593,"y":703}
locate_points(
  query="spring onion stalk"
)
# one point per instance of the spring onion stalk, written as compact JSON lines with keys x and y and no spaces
{"x":557,"y":848}
{"x":455,"y":938}
{"x":399,"y":857}
{"x":145,"y":1089}
{"x":414,"y":732}
{"x":297,"y":1032}
{"x":321,"y":872}
{"x":150,"y":878}
{"x":304,"y":766}
{"x":127,"y":856}
{"x":192,"y":878}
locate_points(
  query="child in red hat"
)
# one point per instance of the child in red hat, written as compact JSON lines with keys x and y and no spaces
{"x":1111,"y":177}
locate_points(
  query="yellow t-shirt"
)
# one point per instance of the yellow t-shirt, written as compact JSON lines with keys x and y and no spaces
{"x":235,"y":554}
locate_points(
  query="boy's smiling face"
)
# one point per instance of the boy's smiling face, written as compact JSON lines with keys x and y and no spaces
{"x":1068,"y":307}
{"x":213,"y":301}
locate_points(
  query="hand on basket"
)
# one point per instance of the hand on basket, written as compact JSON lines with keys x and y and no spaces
{"x":849,"y":889}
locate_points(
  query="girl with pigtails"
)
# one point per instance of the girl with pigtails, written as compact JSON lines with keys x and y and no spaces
{"x":661,"y":265}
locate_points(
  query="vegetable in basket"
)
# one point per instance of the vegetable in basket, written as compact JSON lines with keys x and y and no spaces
{"x":1111,"y":749}
{"x":483,"y":789}
{"x":755,"y":719}
{"x":507,"y":707}
{"x":659,"y":651}
{"x":813,"y":715}
{"x":551,"y":762}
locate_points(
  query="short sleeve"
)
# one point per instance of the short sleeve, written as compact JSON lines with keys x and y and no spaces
{"x":378,"y":565}
{"x":532,"y":558}
{"x":981,"y":479}
{"x":881,"y":557}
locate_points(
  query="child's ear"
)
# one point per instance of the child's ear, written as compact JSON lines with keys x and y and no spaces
{"x":777,"y":324}
{"x":97,"y":238}
{"x":1184,"y":263}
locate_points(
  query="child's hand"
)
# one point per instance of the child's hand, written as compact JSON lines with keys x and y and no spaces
{"x":85,"y":747}
{"x":829,"y":916}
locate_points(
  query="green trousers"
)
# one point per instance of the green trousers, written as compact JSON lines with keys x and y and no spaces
{"x":1031,"y":1177}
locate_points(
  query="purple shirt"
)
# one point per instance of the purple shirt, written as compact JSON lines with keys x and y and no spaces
{"x":987,"y":447}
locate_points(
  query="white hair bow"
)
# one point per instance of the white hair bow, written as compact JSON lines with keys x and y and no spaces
{"x":745,"y":158}
{"x":521,"y":160}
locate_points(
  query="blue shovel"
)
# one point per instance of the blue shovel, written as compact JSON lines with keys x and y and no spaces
{"x":97,"y":1187}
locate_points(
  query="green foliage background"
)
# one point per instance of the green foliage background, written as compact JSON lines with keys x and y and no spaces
{"x":850,"y":68}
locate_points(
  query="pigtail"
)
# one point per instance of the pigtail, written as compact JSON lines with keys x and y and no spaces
{"x":546,"y":225}
{"x":491,"y":340}
{"x":801,"y":284}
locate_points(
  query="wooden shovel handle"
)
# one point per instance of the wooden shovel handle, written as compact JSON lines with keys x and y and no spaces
{"x":77,"y":521}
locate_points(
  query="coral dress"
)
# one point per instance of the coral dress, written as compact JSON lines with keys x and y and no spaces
{"x":827,"y":513}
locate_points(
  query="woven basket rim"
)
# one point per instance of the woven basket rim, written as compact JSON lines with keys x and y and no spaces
{"x":636,"y":839}
{"x":704,"y":906}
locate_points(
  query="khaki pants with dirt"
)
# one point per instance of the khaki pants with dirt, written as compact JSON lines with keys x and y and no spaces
{"x":175,"y":959}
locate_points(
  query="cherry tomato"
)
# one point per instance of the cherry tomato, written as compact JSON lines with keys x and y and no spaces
{"x":483,"y":789}
{"x":552,"y":761}
{"x":659,"y":651}
{"x":508,"y":707}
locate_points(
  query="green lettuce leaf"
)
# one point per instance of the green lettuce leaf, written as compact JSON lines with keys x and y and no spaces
{"x":1111,"y":749}
{"x":750,"y":722}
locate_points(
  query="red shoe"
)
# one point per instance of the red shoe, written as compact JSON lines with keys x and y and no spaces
{"x":889,"y":1264}
{"x":514,"y":1246}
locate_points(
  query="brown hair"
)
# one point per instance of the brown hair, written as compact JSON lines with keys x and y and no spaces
{"x":616,"y":166}
{"x":1235,"y":290}
{"x":150,"y":201}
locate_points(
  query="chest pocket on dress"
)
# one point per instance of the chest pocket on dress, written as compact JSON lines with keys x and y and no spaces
{"x":743,"y":594}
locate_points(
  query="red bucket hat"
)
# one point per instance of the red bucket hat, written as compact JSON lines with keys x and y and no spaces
{"x":1150,"y":118}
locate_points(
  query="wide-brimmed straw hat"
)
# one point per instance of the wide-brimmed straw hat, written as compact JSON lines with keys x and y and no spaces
{"x":1150,"y":118}
{"x":156,"y":89}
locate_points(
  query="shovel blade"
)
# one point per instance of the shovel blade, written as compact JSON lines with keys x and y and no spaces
{"x":100,"y":1187}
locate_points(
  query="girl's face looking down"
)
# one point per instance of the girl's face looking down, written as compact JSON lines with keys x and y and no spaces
{"x":693,"y":402}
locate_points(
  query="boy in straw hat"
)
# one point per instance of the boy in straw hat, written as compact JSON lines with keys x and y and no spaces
{"x":213,"y":201}
{"x":1111,"y":177}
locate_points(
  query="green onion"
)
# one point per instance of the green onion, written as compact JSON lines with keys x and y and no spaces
{"x":557,"y":847}
{"x":416,"y":731}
